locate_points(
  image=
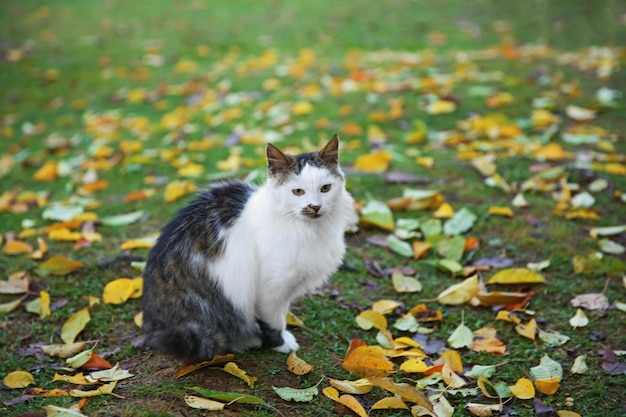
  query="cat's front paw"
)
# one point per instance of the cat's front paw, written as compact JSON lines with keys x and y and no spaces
{"x":289,"y":343}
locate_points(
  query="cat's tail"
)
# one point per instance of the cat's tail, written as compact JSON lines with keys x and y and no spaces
{"x":186,"y":342}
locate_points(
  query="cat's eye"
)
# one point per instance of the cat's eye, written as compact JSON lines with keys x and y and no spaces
{"x":325,"y":188}
{"x":298,"y":191}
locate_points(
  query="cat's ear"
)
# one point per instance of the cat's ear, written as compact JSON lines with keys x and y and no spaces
{"x":330,"y":152}
{"x":277,"y":161}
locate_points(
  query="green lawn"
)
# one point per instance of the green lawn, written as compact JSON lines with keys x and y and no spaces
{"x":105,"y":104}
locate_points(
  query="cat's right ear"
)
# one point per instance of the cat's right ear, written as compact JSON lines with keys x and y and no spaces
{"x":277,"y":161}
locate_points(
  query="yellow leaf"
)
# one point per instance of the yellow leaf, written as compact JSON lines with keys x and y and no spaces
{"x":78,"y":379}
{"x":293,"y":320}
{"x":402,"y":283}
{"x":177,"y":189}
{"x":414,"y":365}
{"x":138,"y":319}
{"x":203,"y":403}
{"x":63,"y":350}
{"x":552,"y":152}
{"x":41,"y":250}
{"x":360,"y":386}
{"x":487,"y":388}
{"x":375,"y":162}
{"x":137,"y":287}
{"x":297,"y":365}
{"x":445,"y":211}
{"x":58,"y":265}
{"x":369,"y":318}
{"x":16,"y":247}
{"x":528,"y":330}
{"x":367,"y":361}
{"x":485,"y":340}
{"x":523,"y":389}
{"x":453,"y":359}
{"x":18,"y":379}
{"x":74,"y":325}
{"x":516,"y":276}
{"x":500,"y":211}
{"x":187,"y":369}
{"x":441,"y":107}
{"x":104,"y":389}
{"x":11,"y":305}
{"x":542,"y":118}
{"x":548,"y":386}
{"x":406,"y":391}
{"x":301,"y":107}
{"x":390,"y":403}
{"x":40,"y":305}
{"x":118,"y":291}
{"x":346,"y":399}
{"x":47,"y":172}
{"x":185,"y":66}
{"x":233,"y":369}
{"x":460,"y":293}
{"x":63,"y":234}
{"x":143,"y":242}
{"x":567,"y":413}
{"x":385,"y":306}
{"x":451,"y":379}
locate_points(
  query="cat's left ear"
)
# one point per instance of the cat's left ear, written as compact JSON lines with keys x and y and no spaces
{"x":330,"y":152}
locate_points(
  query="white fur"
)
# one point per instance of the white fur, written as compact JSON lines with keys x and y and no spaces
{"x":274,"y":254}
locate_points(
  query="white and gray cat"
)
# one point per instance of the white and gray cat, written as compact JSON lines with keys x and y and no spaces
{"x":225,"y":270}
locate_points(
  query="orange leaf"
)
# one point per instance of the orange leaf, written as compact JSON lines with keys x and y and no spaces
{"x":367,"y":361}
{"x":547,"y":386}
{"x":16,"y":247}
{"x":96,"y":362}
{"x":453,"y":359}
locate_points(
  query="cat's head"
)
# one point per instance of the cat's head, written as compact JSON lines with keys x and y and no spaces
{"x":306,"y":185}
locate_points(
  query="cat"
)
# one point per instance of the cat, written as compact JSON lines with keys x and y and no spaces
{"x":226,"y":268}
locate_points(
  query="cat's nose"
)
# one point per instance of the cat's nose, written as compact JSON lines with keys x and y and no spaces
{"x":315,"y":208}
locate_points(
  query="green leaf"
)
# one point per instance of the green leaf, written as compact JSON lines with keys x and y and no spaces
{"x":547,"y":368}
{"x":378,"y":214}
{"x":486,"y":371}
{"x":461,"y":222}
{"x":299,"y":395}
{"x":122,"y":219}
{"x":230,"y":397}
{"x":431,"y":227}
{"x":451,"y":247}
{"x":400,"y":247}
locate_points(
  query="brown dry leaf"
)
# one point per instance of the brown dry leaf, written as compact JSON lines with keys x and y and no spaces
{"x":360,"y":386}
{"x":592,"y":301}
{"x":484,"y":410}
{"x":17,"y":283}
{"x":346,"y":399}
{"x":297,"y":365}
{"x":63,"y":350}
{"x":74,"y":325}
{"x":406,"y":391}
{"x":189,"y":368}
{"x":485,"y":340}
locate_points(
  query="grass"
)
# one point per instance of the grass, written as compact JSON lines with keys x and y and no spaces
{"x":118,"y":61}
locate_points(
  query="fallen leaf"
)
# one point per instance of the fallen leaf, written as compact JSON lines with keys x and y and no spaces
{"x":367,"y":361}
{"x":298,"y":395}
{"x":523,"y":389}
{"x":122,"y":219}
{"x":553,"y":339}
{"x":203,"y":403}
{"x":579,"y":320}
{"x":17,"y":283}
{"x":40,"y":305}
{"x":346,"y":399}
{"x":369,"y":318}
{"x":580,"y":365}
{"x":403,"y":284}
{"x":610,"y":363}
{"x":400,"y":247}
{"x":548,"y":386}
{"x":461,"y":337}
{"x":11,"y":305}
{"x":375,"y":162}
{"x":377,"y":214}
{"x":57,"y":265}
{"x":528,"y":330}
{"x":108,"y":375}
{"x":406,"y":391}
{"x":389,"y":403}
{"x":18,"y":379}
{"x":460,"y":293}
{"x":461,"y":222}
{"x":74,"y":325}
{"x":297,"y":365}
{"x":516,"y":276}
{"x":360,"y":386}
{"x":233,"y":369}
{"x":592,"y":301}
{"x":63,"y":351}
{"x":229,"y":397}
{"x":16,"y":247}
{"x":189,"y":368}
{"x":177,"y":189}
{"x":118,"y":291}
{"x":56,"y":411}
{"x":105,"y":389}
{"x":484,"y":410}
